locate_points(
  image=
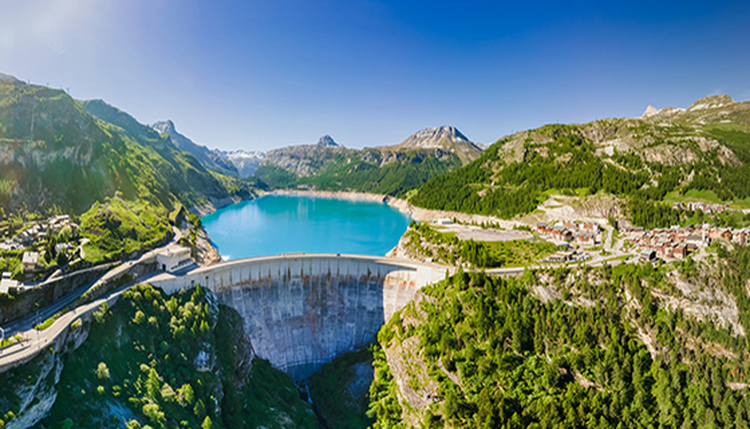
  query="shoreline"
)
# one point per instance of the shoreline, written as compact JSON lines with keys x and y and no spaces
{"x":213,"y":205}
{"x":416,"y":213}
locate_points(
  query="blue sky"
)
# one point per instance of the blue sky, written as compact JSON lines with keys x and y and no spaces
{"x":259,"y":75}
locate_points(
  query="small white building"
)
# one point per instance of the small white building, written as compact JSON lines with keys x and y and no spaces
{"x":444,"y":221}
{"x":8,"y":285}
{"x":30,"y":261}
{"x":173,"y":258}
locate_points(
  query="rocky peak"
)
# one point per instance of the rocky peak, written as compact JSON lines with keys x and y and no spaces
{"x":165,"y":127}
{"x":712,"y":102}
{"x":327,"y":141}
{"x":650,"y":111}
{"x":436,"y":138}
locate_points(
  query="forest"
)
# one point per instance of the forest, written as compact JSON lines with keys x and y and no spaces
{"x":167,"y":362}
{"x":499,"y":357}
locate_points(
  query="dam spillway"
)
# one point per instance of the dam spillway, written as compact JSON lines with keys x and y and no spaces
{"x":303,"y":310}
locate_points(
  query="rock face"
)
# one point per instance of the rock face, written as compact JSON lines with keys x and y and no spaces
{"x":327,"y":141}
{"x":36,"y":382}
{"x":40,"y":394}
{"x":204,"y":155}
{"x":436,"y":137}
{"x":304,"y":160}
{"x":301,"y":312}
{"x":712,"y":102}
{"x":650,"y":111}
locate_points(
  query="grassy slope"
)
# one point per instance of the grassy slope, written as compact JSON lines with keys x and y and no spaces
{"x":117,"y":228}
{"x":424,"y":241}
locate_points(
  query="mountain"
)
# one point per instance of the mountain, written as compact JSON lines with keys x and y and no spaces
{"x":306,"y":159}
{"x":210,"y":159}
{"x":446,"y":138}
{"x":391,"y":170}
{"x":246,"y":162}
{"x":283,"y":166}
{"x":702,"y":152}
{"x":59,"y":152}
{"x":327,"y":141}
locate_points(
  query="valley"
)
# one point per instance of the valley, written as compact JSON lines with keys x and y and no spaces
{"x":569,"y":275}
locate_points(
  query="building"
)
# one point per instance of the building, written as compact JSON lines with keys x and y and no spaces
{"x":584,"y":239}
{"x":173,"y":259}
{"x":8,"y":285}
{"x":30,"y":261}
{"x":444,"y":221}
{"x":561,"y":233}
{"x":647,"y":255}
{"x":680,"y":251}
{"x":560,"y":257}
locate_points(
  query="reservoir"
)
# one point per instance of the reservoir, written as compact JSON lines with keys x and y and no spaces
{"x":275,"y":224}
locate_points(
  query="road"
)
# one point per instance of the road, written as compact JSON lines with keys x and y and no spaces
{"x":25,"y":326}
{"x":33,"y":341}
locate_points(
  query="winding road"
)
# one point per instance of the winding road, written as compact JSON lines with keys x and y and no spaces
{"x":32,"y":340}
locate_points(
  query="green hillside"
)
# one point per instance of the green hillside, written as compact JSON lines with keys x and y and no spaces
{"x":365,"y":173}
{"x":674,"y":154}
{"x":164,"y":362}
{"x":54,"y":153}
{"x":610,"y":350}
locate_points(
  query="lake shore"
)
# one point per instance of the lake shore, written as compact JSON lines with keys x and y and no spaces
{"x":417,"y":213}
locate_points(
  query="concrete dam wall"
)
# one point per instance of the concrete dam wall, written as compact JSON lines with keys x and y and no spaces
{"x":302,"y":311}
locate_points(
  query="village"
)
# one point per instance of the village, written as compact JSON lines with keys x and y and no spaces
{"x":40,"y":256}
{"x":37,"y":231}
{"x":31,"y":240}
{"x":675,"y":242}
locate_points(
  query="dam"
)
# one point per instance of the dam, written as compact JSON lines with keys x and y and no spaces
{"x":303,"y":310}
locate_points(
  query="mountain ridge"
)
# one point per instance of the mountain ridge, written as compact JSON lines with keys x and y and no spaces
{"x":48,"y":141}
{"x":206,"y":156}
{"x":421,"y":156}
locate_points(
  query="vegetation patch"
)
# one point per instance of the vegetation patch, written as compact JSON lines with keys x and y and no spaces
{"x":424,"y":241}
{"x":117,"y":228}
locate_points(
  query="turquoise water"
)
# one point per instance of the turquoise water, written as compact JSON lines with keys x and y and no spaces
{"x":276,"y":224}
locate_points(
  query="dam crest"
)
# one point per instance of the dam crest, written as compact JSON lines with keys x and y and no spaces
{"x":303,"y":310}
